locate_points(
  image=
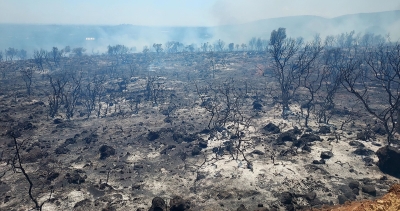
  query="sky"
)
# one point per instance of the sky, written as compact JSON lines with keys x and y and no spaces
{"x":178,"y":12}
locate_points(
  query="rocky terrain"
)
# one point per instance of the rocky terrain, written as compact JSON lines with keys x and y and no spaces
{"x":187,"y":131}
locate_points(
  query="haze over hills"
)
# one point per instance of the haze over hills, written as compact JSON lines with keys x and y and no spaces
{"x":30,"y":37}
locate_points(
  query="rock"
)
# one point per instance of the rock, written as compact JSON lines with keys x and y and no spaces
{"x":257,"y":105}
{"x":370,"y":189}
{"x":356,"y":191}
{"x":322,"y":161}
{"x":58,"y":121}
{"x":309,"y":137}
{"x":379,"y":129}
{"x":286,"y":198}
{"x":242,"y":208}
{"x":389,"y":158}
{"x":69,"y":141}
{"x":75,"y":178}
{"x":151,"y":136}
{"x":342,"y":199}
{"x":326,"y":154}
{"x":61,"y":150}
{"x":52,"y":176}
{"x":106,"y":151}
{"x":257,"y":152}
{"x":324,"y":129}
{"x":368,"y":161}
{"x":34,"y":155}
{"x":306,"y":148}
{"x":310,"y":196}
{"x":178,"y":204}
{"x":363,"y":135}
{"x":286,"y":136}
{"x":271,"y":128}
{"x":363,"y":151}
{"x":83,"y":203}
{"x":138,"y":166}
{"x":354,"y":184}
{"x":203,"y":144}
{"x":356,"y":144}
{"x":158,"y":204}
{"x":196,"y":150}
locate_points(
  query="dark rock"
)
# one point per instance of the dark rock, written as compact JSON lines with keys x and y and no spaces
{"x":326,"y":154}
{"x":356,"y":191}
{"x":364,"y":135}
{"x":322,"y":161}
{"x":342,"y":199}
{"x":106,"y":151}
{"x":363,"y":151}
{"x":52,"y":176}
{"x":83,"y":203}
{"x":136,"y":187}
{"x":309,"y":137}
{"x":151,"y":136}
{"x":295,"y":131}
{"x":354,"y":184}
{"x":242,"y":208}
{"x":61,"y":150}
{"x":324,"y":129}
{"x":189,"y":138}
{"x":178,"y":204}
{"x":376,"y":144}
{"x":286,"y":136}
{"x":310,"y":196}
{"x":58,"y":121}
{"x":138,"y":166}
{"x":158,"y":204}
{"x":196,"y":150}
{"x":75,"y":178}
{"x":286,"y":198}
{"x":203,"y":144}
{"x":69,"y":141}
{"x":368,"y":161}
{"x":379,"y":129}
{"x":370,"y":189}
{"x":169,"y":147}
{"x":257,"y":152}
{"x":389,"y":158}
{"x":91,"y":138}
{"x":306,"y":148}
{"x":356,"y":144}
{"x":257,"y":105}
{"x":271,"y":128}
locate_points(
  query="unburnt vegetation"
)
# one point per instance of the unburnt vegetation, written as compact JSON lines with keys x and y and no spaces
{"x":282,"y":124}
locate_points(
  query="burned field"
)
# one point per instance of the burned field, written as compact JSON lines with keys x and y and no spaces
{"x":296,"y":126}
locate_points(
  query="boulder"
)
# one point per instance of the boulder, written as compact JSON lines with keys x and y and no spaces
{"x":106,"y":151}
{"x":158,"y":204}
{"x":363,"y":151}
{"x":324,"y":129}
{"x":179,"y":204}
{"x":151,"y":136}
{"x":242,"y":208}
{"x":370,"y":189}
{"x":286,"y":198}
{"x":326,"y":154}
{"x":389,"y":158}
{"x":271,"y":128}
{"x":356,"y":144}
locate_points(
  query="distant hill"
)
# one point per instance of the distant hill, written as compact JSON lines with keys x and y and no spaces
{"x":31,"y":37}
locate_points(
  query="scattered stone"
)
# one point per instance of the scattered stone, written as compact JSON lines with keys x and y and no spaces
{"x":363,"y":151}
{"x":286,"y":136}
{"x":389,"y":158}
{"x":61,"y":150}
{"x":242,"y":208}
{"x":75,"y":178}
{"x":326,"y":154}
{"x":257,"y":152}
{"x":106,"y":151}
{"x":354,"y":184}
{"x":370,"y":189}
{"x":342,"y":199}
{"x":58,"y":121}
{"x":286,"y":198}
{"x":151,"y":136}
{"x":196,"y":150}
{"x":310,"y":196}
{"x":178,"y":204}
{"x":203,"y":144}
{"x":322,"y":161}
{"x":257,"y":105}
{"x":324,"y":129}
{"x":271,"y":128}
{"x":356,"y":144}
{"x":158,"y":204}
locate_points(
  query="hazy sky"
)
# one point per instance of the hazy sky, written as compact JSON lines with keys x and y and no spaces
{"x":178,"y":12}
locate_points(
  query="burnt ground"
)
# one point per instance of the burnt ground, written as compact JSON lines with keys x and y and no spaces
{"x":135,"y":146}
